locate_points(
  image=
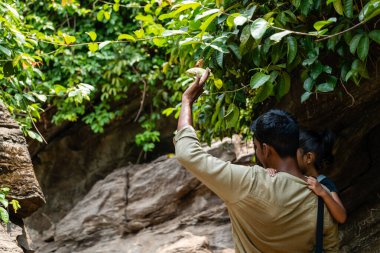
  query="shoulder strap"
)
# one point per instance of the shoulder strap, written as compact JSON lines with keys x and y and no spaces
{"x":319,"y":234}
{"x":320,"y":177}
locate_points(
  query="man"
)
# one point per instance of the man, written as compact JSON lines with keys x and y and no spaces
{"x":268,"y":214}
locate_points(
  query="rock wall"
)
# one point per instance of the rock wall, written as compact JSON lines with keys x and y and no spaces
{"x":155,"y":207}
{"x":16,"y":168}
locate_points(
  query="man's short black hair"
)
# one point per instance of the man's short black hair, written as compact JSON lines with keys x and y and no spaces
{"x":278,"y":129}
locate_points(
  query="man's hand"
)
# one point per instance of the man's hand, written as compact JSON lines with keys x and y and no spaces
{"x":315,"y":186}
{"x":188,"y":98}
{"x":196,"y":88}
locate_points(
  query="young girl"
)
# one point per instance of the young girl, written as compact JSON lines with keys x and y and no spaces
{"x":313,"y":156}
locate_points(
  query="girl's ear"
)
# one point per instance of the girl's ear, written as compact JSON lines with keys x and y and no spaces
{"x":309,"y":158}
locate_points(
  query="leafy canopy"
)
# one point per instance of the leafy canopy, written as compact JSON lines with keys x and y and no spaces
{"x":89,"y":60}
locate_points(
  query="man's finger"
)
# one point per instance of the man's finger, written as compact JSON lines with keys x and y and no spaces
{"x":204,"y":76}
{"x":197,"y":78}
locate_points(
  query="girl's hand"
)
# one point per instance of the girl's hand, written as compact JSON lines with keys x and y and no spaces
{"x":315,"y":186}
{"x":271,"y":172}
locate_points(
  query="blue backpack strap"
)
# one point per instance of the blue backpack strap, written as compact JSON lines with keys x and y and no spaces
{"x":321,"y":177}
{"x":319,"y":233}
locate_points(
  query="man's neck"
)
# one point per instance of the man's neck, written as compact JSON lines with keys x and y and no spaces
{"x":288,"y":165}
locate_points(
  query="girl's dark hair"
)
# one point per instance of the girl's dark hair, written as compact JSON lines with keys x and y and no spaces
{"x":319,"y":143}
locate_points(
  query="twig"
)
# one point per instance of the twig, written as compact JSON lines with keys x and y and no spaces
{"x":143,"y":96}
{"x":127,"y":6}
{"x":31,"y":118}
{"x":336,"y":34}
{"x":229,"y":91}
{"x":348,"y":93}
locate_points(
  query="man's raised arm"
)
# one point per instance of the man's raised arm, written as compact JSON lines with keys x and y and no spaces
{"x":230,"y":182}
{"x":188,"y":98}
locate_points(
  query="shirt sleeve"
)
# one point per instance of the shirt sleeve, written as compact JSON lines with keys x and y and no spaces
{"x":229,"y":181}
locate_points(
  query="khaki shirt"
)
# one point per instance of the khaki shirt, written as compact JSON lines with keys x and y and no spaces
{"x":268,"y":214}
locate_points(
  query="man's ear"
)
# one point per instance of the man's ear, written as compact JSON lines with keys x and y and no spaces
{"x":266,"y":150}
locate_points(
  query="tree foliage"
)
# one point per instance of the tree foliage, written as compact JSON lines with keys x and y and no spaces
{"x":88,"y":60}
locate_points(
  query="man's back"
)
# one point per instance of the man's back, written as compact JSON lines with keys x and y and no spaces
{"x":268,"y":214}
{"x":278,"y":215}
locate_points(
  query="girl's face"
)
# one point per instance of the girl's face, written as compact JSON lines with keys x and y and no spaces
{"x":302,"y":160}
{"x":305,"y":161}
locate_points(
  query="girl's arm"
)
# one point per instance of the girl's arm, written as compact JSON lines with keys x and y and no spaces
{"x":332,"y":201}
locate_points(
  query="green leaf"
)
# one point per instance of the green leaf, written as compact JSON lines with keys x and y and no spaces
{"x":328,"y":86}
{"x":308,"y":84}
{"x":245,"y":34}
{"x":29,"y":97}
{"x":235,"y":49}
{"x":230,"y":20}
{"x":40,"y":97}
{"x":219,"y":58}
{"x":338,"y":6}
{"x":168,"y":111}
{"x":375,"y":36}
{"x":92,"y":35}
{"x":6,"y":51}
{"x":369,"y":11}
{"x":218,"y":83}
{"x":167,"y":33}
{"x":93,"y":47}
{"x":320,"y":24}
{"x":305,"y":96}
{"x":12,"y":11}
{"x":15,"y":205}
{"x":208,"y":21}
{"x":206,"y":13}
{"x":116,"y":7}
{"x":263,"y":93}
{"x":160,"y":42}
{"x":8,"y":69}
{"x":139,"y":33}
{"x":232,"y":116}
{"x":107,"y":15}
{"x":278,"y":36}
{"x":126,"y":37}
{"x":258,"y":79}
{"x":4,"y":202}
{"x":184,"y":6}
{"x":355,"y":42}
{"x":325,"y":87}
{"x":284,"y":85}
{"x":316,"y":70}
{"x":100,"y":15}
{"x":348,"y":8}
{"x":359,"y":67}
{"x":363,"y":47}
{"x":292,"y":49}
{"x":103,"y":44}
{"x":220,"y":47}
{"x":4,"y":215}
{"x":240,"y":20}
{"x":258,"y":28}
{"x":69,"y":39}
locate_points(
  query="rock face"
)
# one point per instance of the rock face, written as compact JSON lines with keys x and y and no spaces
{"x":156,"y":207}
{"x":8,"y":241}
{"x":16,"y":169}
